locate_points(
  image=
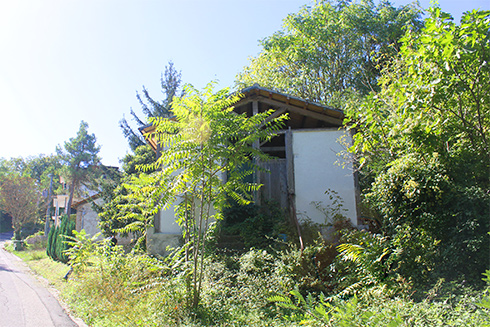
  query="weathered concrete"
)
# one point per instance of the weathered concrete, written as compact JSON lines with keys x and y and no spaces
{"x":157,"y":243}
{"x":24,"y":302}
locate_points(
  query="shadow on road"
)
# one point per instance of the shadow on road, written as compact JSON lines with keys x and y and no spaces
{"x":6,"y":236}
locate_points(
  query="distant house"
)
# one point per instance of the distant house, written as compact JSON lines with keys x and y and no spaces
{"x":306,"y":163}
{"x":87,"y":217}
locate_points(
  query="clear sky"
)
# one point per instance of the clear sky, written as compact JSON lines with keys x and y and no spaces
{"x":63,"y":61}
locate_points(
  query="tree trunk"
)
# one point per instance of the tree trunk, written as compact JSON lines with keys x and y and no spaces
{"x":70,"y":199}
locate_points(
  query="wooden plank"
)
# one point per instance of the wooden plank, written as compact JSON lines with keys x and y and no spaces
{"x":306,"y":112}
{"x":290,"y":161}
{"x":272,"y":148}
{"x":256,"y":145}
{"x":291,"y":185}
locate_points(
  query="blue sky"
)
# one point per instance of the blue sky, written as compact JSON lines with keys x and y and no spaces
{"x":66,"y":61}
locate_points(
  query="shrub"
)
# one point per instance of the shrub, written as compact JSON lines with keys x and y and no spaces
{"x":57,"y":239}
{"x":420,"y":193}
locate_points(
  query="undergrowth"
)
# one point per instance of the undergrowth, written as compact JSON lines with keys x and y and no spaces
{"x":261,"y":287}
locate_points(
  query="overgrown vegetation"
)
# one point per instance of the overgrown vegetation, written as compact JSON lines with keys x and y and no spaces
{"x":261,"y":287}
{"x":422,"y":152}
{"x":57,"y":239}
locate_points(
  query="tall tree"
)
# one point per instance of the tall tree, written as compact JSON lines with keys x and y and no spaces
{"x":205,"y":140}
{"x":80,"y":159}
{"x":424,"y":140}
{"x":170,"y":83}
{"x":331,"y":51}
{"x":19,"y":198}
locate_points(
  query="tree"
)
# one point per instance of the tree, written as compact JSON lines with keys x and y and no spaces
{"x":170,"y":83}
{"x":331,"y":51}
{"x":57,"y":239}
{"x":204,"y":141}
{"x":112,"y":214}
{"x":423,"y":139}
{"x":80,"y":161}
{"x":19,"y":198}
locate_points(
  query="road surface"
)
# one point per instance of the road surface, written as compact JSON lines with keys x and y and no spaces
{"x":24,"y":302}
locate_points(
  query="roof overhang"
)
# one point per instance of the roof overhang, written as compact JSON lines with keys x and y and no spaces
{"x":303,"y":113}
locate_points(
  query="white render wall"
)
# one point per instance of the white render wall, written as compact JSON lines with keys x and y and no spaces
{"x":87,"y":218}
{"x":316,"y":169}
{"x":168,"y":225}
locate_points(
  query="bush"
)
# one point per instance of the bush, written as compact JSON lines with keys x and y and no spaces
{"x":37,"y":241}
{"x":420,"y":193}
{"x":257,"y":225}
{"x":57,"y":238}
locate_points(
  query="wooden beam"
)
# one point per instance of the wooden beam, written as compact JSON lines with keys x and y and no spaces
{"x":290,"y":161}
{"x":305,"y":112}
{"x":255,"y":110}
{"x":291,"y":186}
{"x":273,"y":148}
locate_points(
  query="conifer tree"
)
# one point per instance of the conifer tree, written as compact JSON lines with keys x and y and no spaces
{"x":80,"y":159}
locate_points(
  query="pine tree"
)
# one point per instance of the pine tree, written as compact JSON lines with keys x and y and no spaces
{"x":80,"y":159}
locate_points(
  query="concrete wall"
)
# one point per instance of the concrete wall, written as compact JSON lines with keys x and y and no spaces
{"x":87,"y":218}
{"x":157,"y":243}
{"x":316,"y":170}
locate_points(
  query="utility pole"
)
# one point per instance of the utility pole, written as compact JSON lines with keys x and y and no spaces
{"x":48,"y":218}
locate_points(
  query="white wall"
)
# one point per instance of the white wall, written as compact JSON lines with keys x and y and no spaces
{"x":168,"y":225}
{"x":316,"y":169}
{"x":87,"y":218}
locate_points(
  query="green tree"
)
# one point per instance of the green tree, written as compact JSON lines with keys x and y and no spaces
{"x":170,"y":83}
{"x":19,"y":198}
{"x":80,"y":160}
{"x":57,"y":239}
{"x":423,"y":140}
{"x":142,"y":155}
{"x":331,"y":50}
{"x":113,"y":214}
{"x":204,"y":141}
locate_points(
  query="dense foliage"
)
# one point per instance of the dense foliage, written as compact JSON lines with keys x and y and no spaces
{"x":111,"y":287}
{"x":331,"y":50}
{"x":422,"y":142}
{"x":58,"y":237}
{"x":19,"y":198}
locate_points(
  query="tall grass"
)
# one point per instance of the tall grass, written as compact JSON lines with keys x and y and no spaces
{"x":113,"y":288}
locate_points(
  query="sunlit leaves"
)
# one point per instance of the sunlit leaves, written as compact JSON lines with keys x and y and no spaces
{"x":331,"y":51}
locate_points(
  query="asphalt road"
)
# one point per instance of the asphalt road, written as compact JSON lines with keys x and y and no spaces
{"x":24,"y":301}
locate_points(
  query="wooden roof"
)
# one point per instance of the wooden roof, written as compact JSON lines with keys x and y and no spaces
{"x":302,"y":113}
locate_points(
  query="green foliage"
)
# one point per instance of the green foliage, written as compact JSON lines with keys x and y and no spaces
{"x":203,"y":141}
{"x":143,"y":155}
{"x":258,"y":226}
{"x":57,"y":239}
{"x":80,"y":249}
{"x":80,"y":159}
{"x":418,"y":192}
{"x":132,"y":211}
{"x":422,"y":141}
{"x":170,"y":83}
{"x":331,"y":50}
{"x":374,"y":308}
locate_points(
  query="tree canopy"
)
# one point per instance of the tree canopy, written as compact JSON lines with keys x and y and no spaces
{"x":80,"y":159}
{"x":331,"y":50}
{"x":422,"y":140}
{"x":170,"y":83}
{"x":19,"y":198}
